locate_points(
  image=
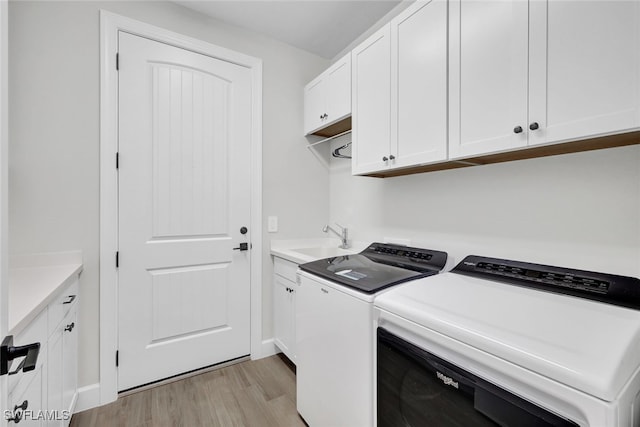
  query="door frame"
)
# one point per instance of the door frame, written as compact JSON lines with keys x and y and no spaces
{"x":4,"y":189}
{"x":110,"y":25}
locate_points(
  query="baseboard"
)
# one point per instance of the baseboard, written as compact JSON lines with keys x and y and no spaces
{"x":88,"y":397}
{"x":268,"y":349}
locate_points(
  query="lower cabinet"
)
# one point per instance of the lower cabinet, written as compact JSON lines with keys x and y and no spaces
{"x":284,"y":304}
{"x":27,"y":399}
{"x":62,"y":365}
{"x":47,"y":395}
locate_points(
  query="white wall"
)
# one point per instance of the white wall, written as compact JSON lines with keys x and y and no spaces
{"x":580,"y":210}
{"x":54,"y":136}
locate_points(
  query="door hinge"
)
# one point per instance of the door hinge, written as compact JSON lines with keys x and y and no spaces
{"x":117,"y":358}
{"x":117,"y":160}
{"x":117,"y":61}
{"x":117,"y":259}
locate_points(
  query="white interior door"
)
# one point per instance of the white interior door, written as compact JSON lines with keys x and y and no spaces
{"x":4,"y":286}
{"x":184,"y":195}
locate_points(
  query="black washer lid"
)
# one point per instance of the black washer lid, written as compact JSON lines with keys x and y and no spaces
{"x":378,"y":266}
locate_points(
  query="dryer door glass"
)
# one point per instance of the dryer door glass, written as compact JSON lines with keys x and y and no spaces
{"x":416,"y":388}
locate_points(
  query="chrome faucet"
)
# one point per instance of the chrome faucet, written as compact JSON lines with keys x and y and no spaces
{"x":342,"y":234}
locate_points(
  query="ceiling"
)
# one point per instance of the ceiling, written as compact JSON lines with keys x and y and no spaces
{"x":323,"y":27}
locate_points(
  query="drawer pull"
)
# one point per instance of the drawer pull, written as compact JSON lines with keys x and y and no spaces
{"x":70,"y":300}
{"x":17,"y":415}
{"x":70,"y":327}
{"x":8,"y":352}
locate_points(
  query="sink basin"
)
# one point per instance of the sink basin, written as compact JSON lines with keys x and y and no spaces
{"x":323,"y":252}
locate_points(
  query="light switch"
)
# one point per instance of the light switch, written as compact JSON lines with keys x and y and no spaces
{"x":272,"y":224}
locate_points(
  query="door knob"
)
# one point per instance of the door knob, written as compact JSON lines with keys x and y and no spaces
{"x":392,"y":157}
{"x":385,"y":158}
{"x":243,"y":247}
{"x":534,"y":126}
{"x":70,"y":327}
{"x":517,"y":129}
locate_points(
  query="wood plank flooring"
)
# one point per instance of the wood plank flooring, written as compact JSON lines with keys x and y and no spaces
{"x":252,"y":393}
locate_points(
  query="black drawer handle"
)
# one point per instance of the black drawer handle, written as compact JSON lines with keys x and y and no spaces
{"x":17,"y":415}
{"x":534,"y":126}
{"x":8,"y":352}
{"x":71,"y":299}
{"x":70,"y":327}
{"x":517,"y":129}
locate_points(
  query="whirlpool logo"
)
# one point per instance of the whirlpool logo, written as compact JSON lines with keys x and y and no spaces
{"x":447,"y":380}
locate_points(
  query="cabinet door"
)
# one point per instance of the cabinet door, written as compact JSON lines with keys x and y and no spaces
{"x":371,"y":102}
{"x":419,"y":82}
{"x":29,"y":392}
{"x":314,"y":105}
{"x":55,"y":375}
{"x":339,"y":90}
{"x":283,"y":315}
{"x":585,"y":78}
{"x":70,"y":360}
{"x":488,"y":76}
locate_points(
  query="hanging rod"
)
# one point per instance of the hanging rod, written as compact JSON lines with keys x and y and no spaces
{"x":338,"y":154}
{"x":329,"y":139}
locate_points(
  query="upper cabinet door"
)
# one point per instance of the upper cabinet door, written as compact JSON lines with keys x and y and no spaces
{"x":419,"y":84}
{"x":339,"y":90}
{"x":488,"y":76}
{"x":314,"y":105}
{"x":371,"y":103}
{"x":585,"y":74}
{"x":327,"y":99}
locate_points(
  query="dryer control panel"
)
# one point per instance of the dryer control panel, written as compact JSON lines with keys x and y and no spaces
{"x":609,"y":288}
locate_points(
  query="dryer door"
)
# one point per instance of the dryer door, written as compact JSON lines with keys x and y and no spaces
{"x":416,"y":388}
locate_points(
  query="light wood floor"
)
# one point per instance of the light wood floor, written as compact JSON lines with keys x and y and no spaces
{"x":252,"y":393}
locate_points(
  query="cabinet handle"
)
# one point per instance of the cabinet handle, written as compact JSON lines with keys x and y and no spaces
{"x":70,"y":300}
{"x":385,"y":159}
{"x":17,"y":415}
{"x":392,"y":157}
{"x":321,"y":117}
{"x":70,"y":327}
{"x":534,"y":126}
{"x":517,"y":129}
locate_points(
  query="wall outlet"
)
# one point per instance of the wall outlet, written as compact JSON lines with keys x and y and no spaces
{"x":272,"y":224}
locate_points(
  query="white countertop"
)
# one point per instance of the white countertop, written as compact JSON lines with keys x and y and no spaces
{"x":35,"y":281}
{"x":287,"y":249}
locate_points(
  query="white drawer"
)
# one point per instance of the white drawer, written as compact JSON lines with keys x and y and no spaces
{"x":284,"y":268}
{"x":36,"y":331}
{"x":61,"y":306}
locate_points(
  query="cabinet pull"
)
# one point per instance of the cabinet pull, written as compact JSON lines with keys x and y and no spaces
{"x":70,"y":327}
{"x":534,"y":126}
{"x":8,"y":353}
{"x":517,"y":129}
{"x":392,"y":157}
{"x":385,"y":159}
{"x":17,"y":415}
{"x":70,"y":300}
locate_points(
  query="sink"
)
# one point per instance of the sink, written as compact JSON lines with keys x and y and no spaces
{"x":323,"y":252}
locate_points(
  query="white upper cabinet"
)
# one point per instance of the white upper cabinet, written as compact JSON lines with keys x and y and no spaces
{"x":584,"y":75}
{"x":400,"y":92}
{"x":371,"y":88}
{"x":419,"y":84}
{"x":327,"y":98}
{"x":488,"y":50}
{"x":540,"y":72}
